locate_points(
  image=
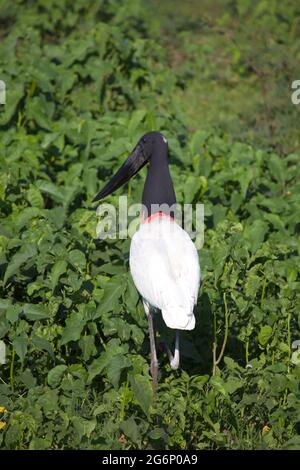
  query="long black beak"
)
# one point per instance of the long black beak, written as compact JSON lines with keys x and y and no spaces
{"x":130,"y":167}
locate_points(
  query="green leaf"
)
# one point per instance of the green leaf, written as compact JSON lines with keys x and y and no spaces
{"x":254,"y":234}
{"x":26,"y":216}
{"x":220,"y":255}
{"x":97,"y":366}
{"x":157,"y":433}
{"x":20,"y":344}
{"x":48,"y":400}
{"x":55,"y":375}
{"x":111,"y":268}
{"x":77,"y":259}
{"x":5,"y":304}
{"x":84,"y":427}
{"x":42,"y":344}
{"x":136,"y":119}
{"x":34,"y":197}
{"x":265,"y":334}
{"x":40,"y":443}
{"x":13,"y":312}
{"x":191,"y":188}
{"x":277,"y":167}
{"x":232,"y":384}
{"x":27,"y":378}
{"x":116,"y":364}
{"x":50,"y":188}
{"x":219,"y":384}
{"x":112,"y":293}
{"x":142,"y":390}
{"x":25,"y":253}
{"x":292,"y":444}
{"x":13,"y":97}
{"x":131,"y":429}
{"x":40,"y":110}
{"x":87,"y":345}
{"x":74,"y":326}
{"x":59,"y":268}
{"x":35,"y":312}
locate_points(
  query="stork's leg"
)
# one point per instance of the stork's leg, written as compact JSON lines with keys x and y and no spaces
{"x":174,"y":360}
{"x":154,"y":361}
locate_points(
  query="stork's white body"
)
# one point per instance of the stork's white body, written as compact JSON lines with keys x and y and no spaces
{"x":165,"y":269}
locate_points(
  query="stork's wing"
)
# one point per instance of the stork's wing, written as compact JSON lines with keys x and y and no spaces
{"x":165,"y":268}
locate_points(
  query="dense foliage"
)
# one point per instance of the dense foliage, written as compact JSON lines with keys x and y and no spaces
{"x":84,"y":81}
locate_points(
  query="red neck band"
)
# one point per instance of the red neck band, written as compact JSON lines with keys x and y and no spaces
{"x":155,"y":216}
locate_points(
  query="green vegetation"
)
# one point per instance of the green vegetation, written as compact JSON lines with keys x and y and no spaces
{"x":235,"y":61}
{"x":84,"y":81}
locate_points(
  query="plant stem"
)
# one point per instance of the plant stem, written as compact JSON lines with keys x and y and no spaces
{"x":217,"y":361}
{"x":124,"y":401}
{"x":11,"y":371}
{"x":263,"y":292}
{"x":289,"y":339}
{"x":247,"y":351}
{"x":214,"y":350}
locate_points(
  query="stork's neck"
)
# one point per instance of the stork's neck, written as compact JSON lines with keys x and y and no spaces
{"x":158,"y":187}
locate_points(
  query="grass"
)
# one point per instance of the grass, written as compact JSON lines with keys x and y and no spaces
{"x":84,"y":82}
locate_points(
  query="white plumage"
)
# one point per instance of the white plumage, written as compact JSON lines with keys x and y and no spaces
{"x":165,"y":269}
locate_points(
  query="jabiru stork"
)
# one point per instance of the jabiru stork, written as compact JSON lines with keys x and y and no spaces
{"x":163,"y":260}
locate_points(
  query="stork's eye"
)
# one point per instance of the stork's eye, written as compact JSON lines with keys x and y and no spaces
{"x":144,"y":140}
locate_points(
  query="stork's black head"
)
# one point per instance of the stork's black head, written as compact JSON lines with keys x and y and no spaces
{"x":150,"y":144}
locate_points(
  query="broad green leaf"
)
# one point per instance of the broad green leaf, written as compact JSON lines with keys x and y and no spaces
{"x":34,"y":197}
{"x":25,"y":253}
{"x":219,"y":384}
{"x":42,"y":344}
{"x":254,"y":234}
{"x":40,"y":111}
{"x":48,"y":400}
{"x":191,"y":188}
{"x":5,"y":304}
{"x":84,"y":427}
{"x":59,"y":268}
{"x":39,"y":443}
{"x":27,"y":378}
{"x":136,"y":120}
{"x":112,"y":293}
{"x":115,"y":367}
{"x":13,"y":312}
{"x":50,"y":188}
{"x":74,"y":326}
{"x":131,"y":429}
{"x":158,"y":433}
{"x":87,"y":345}
{"x":55,"y":375}
{"x":264,"y":334}
{"x":26,"y":216}
{"x":77,"y":259}
{"x":232,"y":384}
{"x":20,"y":344}
{"x":277,"y":168}
{"x":220,"y":255}
{"x":111,"y":268}
{"x":98,"y":365}
{"x":292,"y":444}
{"x":14,"y":94}
{"x":35,"y":311}
{"x":142,"y":390}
